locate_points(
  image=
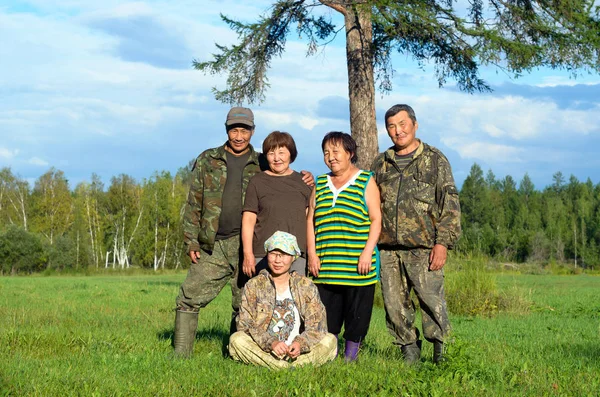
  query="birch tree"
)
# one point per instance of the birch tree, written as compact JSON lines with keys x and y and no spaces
{"x":160,"y":243}
{"x":125,"y":212}
{"x":14,"y":199}
{"x":52,"y":204}
{"x":90,"y":199}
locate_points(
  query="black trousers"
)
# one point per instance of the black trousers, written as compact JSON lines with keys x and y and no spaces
{"x":350,"y":306}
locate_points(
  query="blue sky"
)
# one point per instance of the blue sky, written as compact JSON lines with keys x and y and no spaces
{"x":107,"y":87}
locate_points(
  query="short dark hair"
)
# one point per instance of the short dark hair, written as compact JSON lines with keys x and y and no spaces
{"x":343,"y":139}
{"x":280,"y":139}
{"x":394,"y":110}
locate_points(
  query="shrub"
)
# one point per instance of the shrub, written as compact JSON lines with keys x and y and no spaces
{"x":471,"y":290}
{"x":63,"y":254}
{"x":21,"y":251}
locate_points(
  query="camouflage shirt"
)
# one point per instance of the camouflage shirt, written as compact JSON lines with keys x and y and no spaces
{"x":420,"y":206}
{"x":204,"y":203}
{"x":258,"y":303}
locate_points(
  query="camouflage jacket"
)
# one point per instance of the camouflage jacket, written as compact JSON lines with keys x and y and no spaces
{"x":420,"y":206}
{"x":258,"y":303}
{"x":203,"y":208}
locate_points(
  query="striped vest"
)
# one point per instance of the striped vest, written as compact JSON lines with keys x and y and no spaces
{"x":342,"y":228}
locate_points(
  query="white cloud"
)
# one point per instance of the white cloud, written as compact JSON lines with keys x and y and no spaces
{"x":553,"y":81}
{"x":64,"y":87}
{"x":308,"y":123}
{"x":485,"y":151}
{"x":510,"y":118}
{"x":38,"y":161}
{"x":8,"y":154}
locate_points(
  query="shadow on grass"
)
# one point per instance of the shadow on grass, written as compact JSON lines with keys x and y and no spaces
{"x":202,"y":334}
{"x":164,"y":283}
{"x":587,"y":353}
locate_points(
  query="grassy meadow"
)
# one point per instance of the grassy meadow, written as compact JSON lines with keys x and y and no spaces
{"x":109,"y":334}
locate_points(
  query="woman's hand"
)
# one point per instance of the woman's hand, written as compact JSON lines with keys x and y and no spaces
{"x":364,"y":262}
{"x":294,"y":350}
{"x":249,"y":265}
{"x":314,"y":265}
{"x":279,"y":349}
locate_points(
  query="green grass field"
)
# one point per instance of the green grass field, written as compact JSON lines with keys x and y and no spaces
{"x":111,"y":335}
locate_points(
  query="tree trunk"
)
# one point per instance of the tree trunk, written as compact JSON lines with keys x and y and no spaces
{"x":163,"y":257}
{"x":575,"y":242}
{"x":96,"y":223}
{"x":361,"y":83}
{"x":156,"y":243}
{"x":91,"y":230}
{"x":77,"y":262}
{"x":24,"y":214}
{"x":361,"y":79}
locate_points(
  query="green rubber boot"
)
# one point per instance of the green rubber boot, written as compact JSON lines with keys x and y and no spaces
{"x":438,"y":352}
{"x":412,"y":353}
{"x":186,"y":323}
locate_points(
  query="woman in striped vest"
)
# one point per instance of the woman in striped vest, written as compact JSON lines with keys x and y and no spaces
{"x":344,"y":222}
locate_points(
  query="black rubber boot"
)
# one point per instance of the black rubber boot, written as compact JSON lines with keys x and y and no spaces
{"x":186,"y":323}
{"x":438,"y":352}
{"x":412,"y":353}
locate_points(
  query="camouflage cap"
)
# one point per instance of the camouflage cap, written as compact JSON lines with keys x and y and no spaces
{"x":239,"y":115}
{"x":283,"y":242}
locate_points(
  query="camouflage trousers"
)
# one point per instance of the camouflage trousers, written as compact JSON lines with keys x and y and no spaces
{"x":401,"y":272}
{"x":207,"y":278}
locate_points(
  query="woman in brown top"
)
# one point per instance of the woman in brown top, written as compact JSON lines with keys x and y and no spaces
{"x":276,"y":200}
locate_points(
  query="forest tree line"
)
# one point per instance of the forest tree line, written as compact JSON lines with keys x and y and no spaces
{"x":129,"y":223}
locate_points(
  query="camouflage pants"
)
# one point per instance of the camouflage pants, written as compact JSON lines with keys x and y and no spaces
{"x":207,"y":278}
{"x":401,"y":272}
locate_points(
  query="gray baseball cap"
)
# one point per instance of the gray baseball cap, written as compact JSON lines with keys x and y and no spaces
{"x":239,"y":115}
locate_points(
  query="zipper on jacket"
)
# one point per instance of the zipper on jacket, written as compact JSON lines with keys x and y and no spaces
{"x":398,"y":201}
{"x":393,"y":161}
{"x":398,"y":192}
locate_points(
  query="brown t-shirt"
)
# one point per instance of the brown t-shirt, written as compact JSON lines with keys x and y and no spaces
{"x":230,"y":221}
{"x":279,"y":203}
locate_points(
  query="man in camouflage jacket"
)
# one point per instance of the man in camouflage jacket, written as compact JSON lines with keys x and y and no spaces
{"x":420,"y":222}
{"x":212,"y":223}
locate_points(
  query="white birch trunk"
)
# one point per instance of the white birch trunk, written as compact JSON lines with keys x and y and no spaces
{"x":163,"y":257}
{"x":77,"y":261}
{"x":91,"y":230}
{"x":137,"y":223}
{"x":155,"y":266}
{"x":115,"y":247}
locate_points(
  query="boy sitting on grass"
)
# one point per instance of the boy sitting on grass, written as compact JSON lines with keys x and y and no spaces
{"x":282,"y":321}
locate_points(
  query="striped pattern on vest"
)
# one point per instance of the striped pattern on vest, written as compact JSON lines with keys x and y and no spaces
{"x":342,"y":230}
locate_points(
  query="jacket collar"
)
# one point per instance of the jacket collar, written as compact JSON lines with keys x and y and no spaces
{"x":390,"y":153}
{"x":265,"y":273}
{"x":220,"y":153}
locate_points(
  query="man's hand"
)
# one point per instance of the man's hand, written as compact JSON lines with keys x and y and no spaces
{"x":437,"y":257}
{"x":294,"y":350}
{"x":194,"y":256}
{"x":308,"y":178}
{"x":249,"y":265}
{"x":279,"y":349}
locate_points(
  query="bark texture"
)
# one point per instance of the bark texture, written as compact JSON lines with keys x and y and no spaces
{"x":361,"y":81}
